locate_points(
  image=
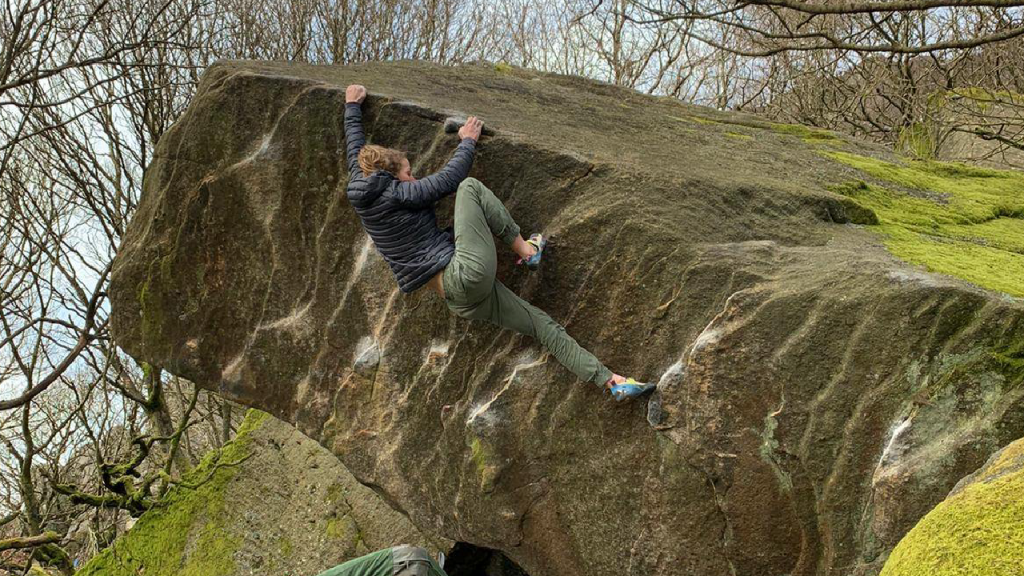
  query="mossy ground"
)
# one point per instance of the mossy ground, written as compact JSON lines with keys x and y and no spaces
{"x":976,"y":532}
{"x":163,"y":541}
{"x":954,"y":219}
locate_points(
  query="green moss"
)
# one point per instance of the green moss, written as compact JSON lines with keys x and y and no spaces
{"x":284,"y":546}
{"x":335,"y":492}
{"x":503,"y":68}
{"x":954,"y":219}
{"x":769,"y":446}
{"x":186,"y":534}
{"x":1010,"y":359}
{"x":984,"y":97}
{"x":486,"y":467}
{"x":1010,"y":460}
{"x":739,"y":136}
{"x":150,"y":308}
{"x":978,"y":531}
{"x":856,"y":212}
{"x":344,"y":528}
{"x":479,"y":453}
{"x":334,"y":529}
{"x":811,"y":134}
{"x":697,"y":119}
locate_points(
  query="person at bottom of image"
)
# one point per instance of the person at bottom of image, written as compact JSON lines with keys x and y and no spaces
{"x":403,"y":560}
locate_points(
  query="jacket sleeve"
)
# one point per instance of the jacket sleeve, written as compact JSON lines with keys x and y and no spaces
{"x":354,"y":137}
{"x":426,"y":191}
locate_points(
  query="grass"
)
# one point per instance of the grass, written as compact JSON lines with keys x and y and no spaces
{"x":953,"y":219}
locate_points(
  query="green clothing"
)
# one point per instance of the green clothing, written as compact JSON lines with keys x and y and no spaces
{"x":471,"y":290}
{"x":401,"y":560}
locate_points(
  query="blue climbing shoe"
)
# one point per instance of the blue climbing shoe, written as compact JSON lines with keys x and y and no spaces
{"x":539,"y":242}
{"x":630,"y":389}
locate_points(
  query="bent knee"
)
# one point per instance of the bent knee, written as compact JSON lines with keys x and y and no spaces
{"x":470,"y":183}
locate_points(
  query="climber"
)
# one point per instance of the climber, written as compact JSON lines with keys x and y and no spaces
{"x":397,"y":211}
{"x":401,"y":560}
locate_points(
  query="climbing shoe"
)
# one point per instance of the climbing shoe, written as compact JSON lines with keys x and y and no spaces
{"x":630,"y":389}
{"x":533,"y":262}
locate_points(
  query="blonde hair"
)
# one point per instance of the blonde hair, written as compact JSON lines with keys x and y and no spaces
{"x":373,"y":158}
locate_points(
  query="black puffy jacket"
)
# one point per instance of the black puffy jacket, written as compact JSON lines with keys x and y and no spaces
{"x":399,"y":216}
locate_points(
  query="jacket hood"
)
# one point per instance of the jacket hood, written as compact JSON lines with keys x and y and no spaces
{"x":364,"y":188}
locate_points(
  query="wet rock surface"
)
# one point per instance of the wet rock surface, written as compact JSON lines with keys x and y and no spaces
{"x":817,"y":396}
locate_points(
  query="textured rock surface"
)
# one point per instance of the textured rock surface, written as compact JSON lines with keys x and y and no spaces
{"x":817,"y":396}
{"x":289,"y":508}
{"x":977,"y":529}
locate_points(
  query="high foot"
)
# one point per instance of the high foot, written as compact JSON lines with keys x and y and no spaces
{"x":538,"y":241}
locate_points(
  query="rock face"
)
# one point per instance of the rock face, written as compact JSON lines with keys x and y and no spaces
{"x":289,"y":507}
{"x":817,"y":396}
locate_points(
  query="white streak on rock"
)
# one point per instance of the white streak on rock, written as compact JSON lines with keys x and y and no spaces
{"x":302,"y":390}
{"x":293,"y":322}
{"x":479,"y":415}
{"x":708,"y":336}
{"x":367,"y":357}
{"x":711,"y":335}
{"x":353,"y":276}
{"x":438,"y":348}
{"x":672,"y":376}
{"x":480,"y":412}
{"x":893,"y":448}
{"x":233,"y":371}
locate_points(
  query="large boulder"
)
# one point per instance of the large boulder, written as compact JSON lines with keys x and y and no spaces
{"x":270,"y":502}
{"x":977,"y":529}
{"x":817,"y":395}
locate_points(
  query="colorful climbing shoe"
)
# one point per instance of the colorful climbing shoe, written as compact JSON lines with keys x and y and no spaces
{"x":539,"y":242}
{"x":630,"y":389}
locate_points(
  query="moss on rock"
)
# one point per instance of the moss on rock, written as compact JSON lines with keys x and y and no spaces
{"x":954,"y":219}
{"x":976,"y":531}
{"x":186,"y":535}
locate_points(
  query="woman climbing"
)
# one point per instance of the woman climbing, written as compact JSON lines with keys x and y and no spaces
{"x":397,"y":212}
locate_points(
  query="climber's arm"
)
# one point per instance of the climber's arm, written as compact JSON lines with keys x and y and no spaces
{"x":424,"y":192}
{"x":354,"y":137}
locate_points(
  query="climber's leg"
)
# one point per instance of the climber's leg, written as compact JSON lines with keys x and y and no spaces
{"x":479,"y":216}
{"x":410,"y":561}
{"x":377,"y":563}
{"x":506,"y":309}
{"x":471,"y":290}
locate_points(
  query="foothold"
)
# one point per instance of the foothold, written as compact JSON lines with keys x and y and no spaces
{"x":655,"y":415}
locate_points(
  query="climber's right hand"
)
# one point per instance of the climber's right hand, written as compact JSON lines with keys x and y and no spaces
{"x":355,"y":93}
{"x":472,"y":128}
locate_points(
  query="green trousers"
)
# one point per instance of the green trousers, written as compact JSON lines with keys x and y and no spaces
{"x":471,"y":290}
{"x":403,"y":560}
